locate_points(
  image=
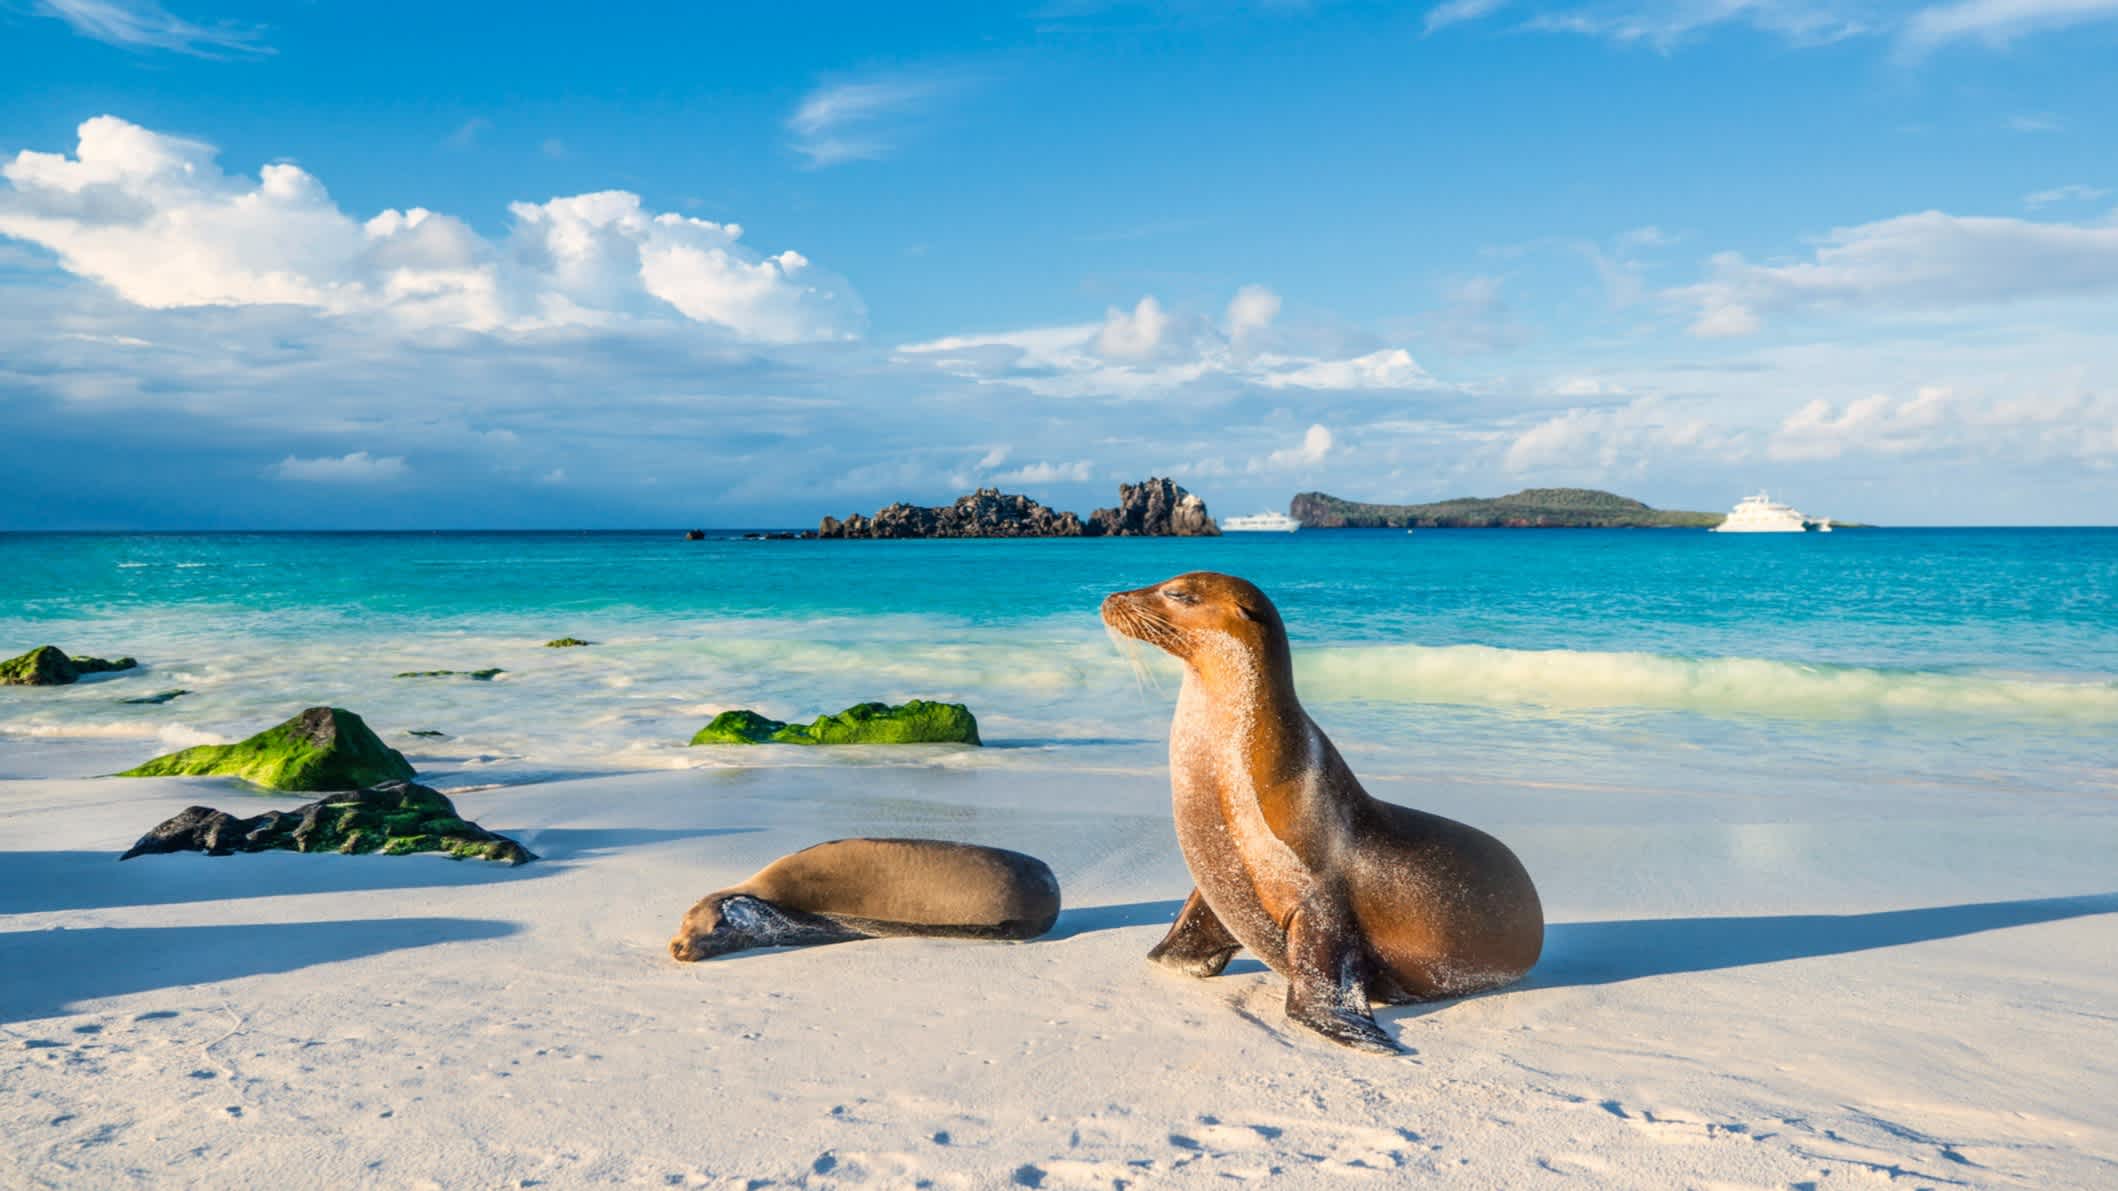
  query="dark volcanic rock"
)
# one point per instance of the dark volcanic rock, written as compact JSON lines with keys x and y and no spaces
{"x":158,"y":697}
{"x":48,"y":665}
{"x":1155,"y":507}
{"x":986,"y":513}
{"x":395,"y":818}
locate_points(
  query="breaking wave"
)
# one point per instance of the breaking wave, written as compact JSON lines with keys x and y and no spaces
{"x":1561,"y":678}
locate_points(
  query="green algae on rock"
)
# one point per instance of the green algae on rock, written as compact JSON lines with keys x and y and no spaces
{"x":48,"y":665}
{"x":916,"y":722}
{"x":393,"y":818}
{"x":480,"y":675}
{"x":566,"y":643}
{"x":323,"y":748}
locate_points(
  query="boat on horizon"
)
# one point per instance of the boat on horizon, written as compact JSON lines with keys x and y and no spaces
{"x":1261,"y":523}
{"x":1762,"y":514}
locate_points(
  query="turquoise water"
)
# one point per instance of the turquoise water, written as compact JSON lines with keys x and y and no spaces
{"x":1966,"y":658}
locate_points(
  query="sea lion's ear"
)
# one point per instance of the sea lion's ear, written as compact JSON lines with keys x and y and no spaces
{"x":1250,"y":613}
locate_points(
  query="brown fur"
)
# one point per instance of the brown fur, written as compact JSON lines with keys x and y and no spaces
{"x":866,"y":888}
{"x":1350,"y":898}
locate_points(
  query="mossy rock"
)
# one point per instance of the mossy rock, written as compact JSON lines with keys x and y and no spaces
{"x":567,"y":643}
{"x":479,"y":675}
{"x":48,"y":665}
{"x":393,"y":818}
{"x":323,"y":748}
{"x":915,"y":722}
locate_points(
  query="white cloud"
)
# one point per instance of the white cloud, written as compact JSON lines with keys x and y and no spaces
{"x":153,"y":217}
{"x":1598,"y":441}
{"x":1936,"y":419}
{"x":1250,"y":313}
{"x":1663,"y":24}
{"x":146,"y":25}
{"x":1148,"y":350}
{"x":2034,"y":122}
{"x":2075,"y":193}
{"x":1317,"y":443}
{"x":1390,"y":368}
{"x":356,"y":468}
{"x":1930,"y":260}
{"x":1080,"y":471}
{"x":1997,"y":22}
{"x":858,"y":119}
{"x":1456,"y":12}
{"x":1134,"y":335}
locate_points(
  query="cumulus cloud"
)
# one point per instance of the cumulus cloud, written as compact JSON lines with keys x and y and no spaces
{"x":356,"y":468}
{"x":1929,"y":260}
{"x":1137,"y":334}
{"x":146,"y":25}
{"x":1317,"y":443}
{"x":1149,"y":350}
{"x":1079,"y":471}
{"x":153,"y":217}
{"x":1250,"y":313}
{"x":1936,"y":419}
{"x":1588,"y":440}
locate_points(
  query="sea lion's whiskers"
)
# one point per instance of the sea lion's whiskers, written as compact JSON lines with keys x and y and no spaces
{"x":1129,"y":650}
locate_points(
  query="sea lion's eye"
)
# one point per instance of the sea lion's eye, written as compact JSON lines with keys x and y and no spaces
{"x":1179,"y":596}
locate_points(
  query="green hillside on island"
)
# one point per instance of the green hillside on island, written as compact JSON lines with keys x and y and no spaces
{"x":1531,"y":508}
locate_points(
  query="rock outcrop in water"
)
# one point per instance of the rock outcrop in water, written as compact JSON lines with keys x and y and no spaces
{"x":1531,"y":508}
{"x":48,"y":665}
{"x":916,"y":722}
{"x":566,"y":643}
{"x":394,"y":818}
{"x":479,"y":675}
{"x":1156,"y":507}
{"x":323,"y":748}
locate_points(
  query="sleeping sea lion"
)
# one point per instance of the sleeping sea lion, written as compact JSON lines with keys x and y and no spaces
{"x":872,"y":888}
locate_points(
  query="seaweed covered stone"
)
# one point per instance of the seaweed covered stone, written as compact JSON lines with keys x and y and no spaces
{"x":394,"y":818}
{"x":566,"y":643}
{"x":323,"y":748}
{"x":48,"y":665}
{"x":915,"y":722}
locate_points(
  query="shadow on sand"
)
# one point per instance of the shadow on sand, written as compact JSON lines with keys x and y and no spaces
{"x":1591,"y":953}
{"x":35,"y":882}
{"x":71,"y":966}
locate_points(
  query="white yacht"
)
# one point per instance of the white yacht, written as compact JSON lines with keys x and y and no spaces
{"x":1762,"y":514}
{"x":1261,"y":523}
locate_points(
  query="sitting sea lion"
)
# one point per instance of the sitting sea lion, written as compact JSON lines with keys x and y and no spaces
{"x":871,"y":888}
{"x":1349,"y":898}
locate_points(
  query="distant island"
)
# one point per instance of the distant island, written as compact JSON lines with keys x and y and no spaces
{"x":1156,"y":507}
{"x":1531,"y":508}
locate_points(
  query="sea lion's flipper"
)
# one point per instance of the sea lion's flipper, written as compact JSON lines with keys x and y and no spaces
{"x":1197,"y":944}
{"x":1327,"y":976}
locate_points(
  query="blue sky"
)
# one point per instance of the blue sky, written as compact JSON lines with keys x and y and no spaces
{"x":284,"y":266}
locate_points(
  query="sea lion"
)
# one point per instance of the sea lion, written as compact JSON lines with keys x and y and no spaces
{"x":871,"y":888}
{"x":1351,"y":899}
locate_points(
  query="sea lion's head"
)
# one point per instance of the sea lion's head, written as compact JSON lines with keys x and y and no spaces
{"x":725,"y":922}
{"x":1196,"y":612}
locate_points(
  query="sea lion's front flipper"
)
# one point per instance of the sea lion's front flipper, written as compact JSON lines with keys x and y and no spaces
{"x":1197,"y":944}
{"x":1327,"y":975}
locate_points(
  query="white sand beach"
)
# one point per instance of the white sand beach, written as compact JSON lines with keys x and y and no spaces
{"x":1834,"y":988}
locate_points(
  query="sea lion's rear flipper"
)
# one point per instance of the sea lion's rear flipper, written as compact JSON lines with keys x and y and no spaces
{"x":1197,"y":944}
{"x":1327,"y":975}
